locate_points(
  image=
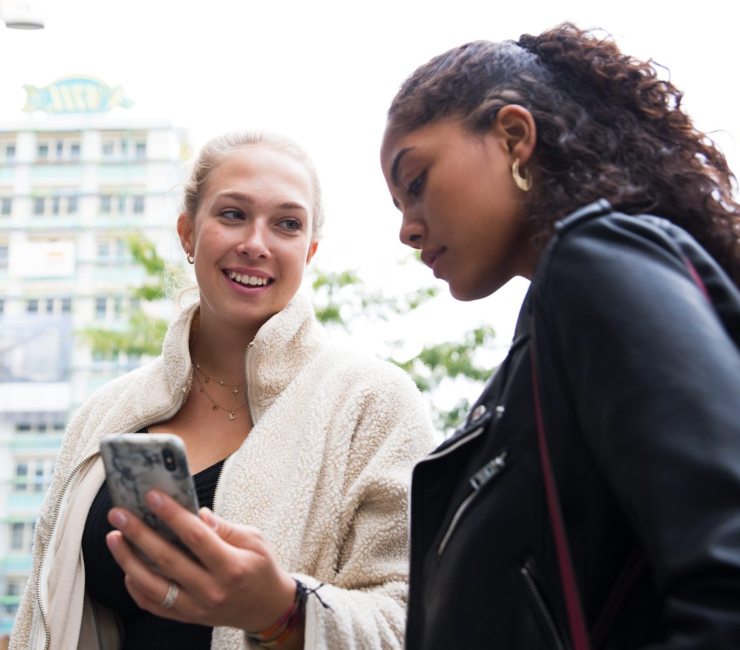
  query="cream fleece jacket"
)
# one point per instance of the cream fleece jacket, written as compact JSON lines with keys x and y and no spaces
{"x":323,"y":474}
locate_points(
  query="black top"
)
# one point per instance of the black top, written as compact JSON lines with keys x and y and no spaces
{"x":104,"y":579}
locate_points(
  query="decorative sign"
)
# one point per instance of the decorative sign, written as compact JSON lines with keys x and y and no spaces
{"x":75,"y":95}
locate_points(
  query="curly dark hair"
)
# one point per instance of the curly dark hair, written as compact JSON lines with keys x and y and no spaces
{"x":607,"y":127}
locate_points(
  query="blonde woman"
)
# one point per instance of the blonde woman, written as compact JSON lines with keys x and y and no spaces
{"x":301,"y":452}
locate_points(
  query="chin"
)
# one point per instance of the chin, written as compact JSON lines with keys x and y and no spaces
{"x":468,"y":294}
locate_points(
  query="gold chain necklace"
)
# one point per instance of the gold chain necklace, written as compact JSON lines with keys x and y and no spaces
{"x":234,"y":387}
{"x":230,"y":413}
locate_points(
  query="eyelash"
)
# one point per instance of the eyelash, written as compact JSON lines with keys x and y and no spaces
{"x":416,"y":186}
{"x":230,"y":211}
{"x":295,"y":224}
{"x":289,"y":223}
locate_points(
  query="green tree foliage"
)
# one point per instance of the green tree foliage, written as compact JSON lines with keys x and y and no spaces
{"x":342,"y":300}
{"x":450,"y":360}
{"x":143,"y":333}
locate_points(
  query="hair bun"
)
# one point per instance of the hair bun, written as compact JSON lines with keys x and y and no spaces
{"x":528,"y":42}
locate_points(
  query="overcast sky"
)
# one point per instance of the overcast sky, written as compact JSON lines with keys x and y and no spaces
{"x":324,"y":73}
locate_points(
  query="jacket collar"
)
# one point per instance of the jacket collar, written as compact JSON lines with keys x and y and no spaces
{"x":280,"y":350}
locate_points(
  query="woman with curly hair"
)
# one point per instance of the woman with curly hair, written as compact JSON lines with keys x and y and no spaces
{"x":592,"y":496}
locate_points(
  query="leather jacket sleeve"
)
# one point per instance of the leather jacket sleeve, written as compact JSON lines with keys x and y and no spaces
{"x":654,"y":378}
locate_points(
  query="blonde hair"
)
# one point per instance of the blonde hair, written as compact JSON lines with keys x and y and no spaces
{"x":215,"y":150}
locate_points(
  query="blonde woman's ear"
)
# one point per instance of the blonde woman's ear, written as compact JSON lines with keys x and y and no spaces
{"x":311,"y":251}
{"x":185,"y":232}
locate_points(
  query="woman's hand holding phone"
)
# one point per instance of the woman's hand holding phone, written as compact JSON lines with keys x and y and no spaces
{"x":235,"y":581}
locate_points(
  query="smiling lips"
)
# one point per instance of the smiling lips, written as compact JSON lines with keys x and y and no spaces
{"x":248,"y":280}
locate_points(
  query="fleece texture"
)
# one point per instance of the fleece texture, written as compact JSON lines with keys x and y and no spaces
{"x":324,"y":474}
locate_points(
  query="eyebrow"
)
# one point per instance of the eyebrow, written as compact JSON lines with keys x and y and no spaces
{"x":396,"y":162}
{"x":247,"y":198}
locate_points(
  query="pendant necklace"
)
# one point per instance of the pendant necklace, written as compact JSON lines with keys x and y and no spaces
{"x":230,"y":413}
{"x":234,"y":387}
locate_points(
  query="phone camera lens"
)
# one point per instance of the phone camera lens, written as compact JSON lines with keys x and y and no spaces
{"x":169,"y":460}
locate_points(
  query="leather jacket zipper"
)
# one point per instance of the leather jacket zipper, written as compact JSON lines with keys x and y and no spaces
{"x":490,"y":470}
{"x":538,"y":601}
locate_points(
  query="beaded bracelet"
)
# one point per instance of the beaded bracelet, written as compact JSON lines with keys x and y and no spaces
{"x":280,"y":630}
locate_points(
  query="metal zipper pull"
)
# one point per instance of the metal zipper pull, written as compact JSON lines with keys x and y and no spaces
{"x":488,"y":471}
{"x":477,"y":481}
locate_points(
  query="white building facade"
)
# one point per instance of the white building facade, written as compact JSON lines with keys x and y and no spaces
{"x":76,"y":179}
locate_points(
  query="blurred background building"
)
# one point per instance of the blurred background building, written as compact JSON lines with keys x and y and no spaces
{"x":77,"y":177}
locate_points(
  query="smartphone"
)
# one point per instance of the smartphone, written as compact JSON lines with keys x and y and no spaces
{"x":138,"y":462}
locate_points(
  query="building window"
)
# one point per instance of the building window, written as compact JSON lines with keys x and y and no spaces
{"x":14,"y":586}
{"x":21,"y":477}
{"x":4,"y":256}
{"x":124,"y":147}
{"x":16,"y":536}
{"x":121,"y":204}
{"x":39,"y":478}
{"x":53,"y":423}
{"x":52,"y":305}
{"x":2,"y":306}
{"x":112,"y":250}
{"x":7,"y":152}
{"x":105,"y":204}
{"x":55,"y":205}
{"x":58,"y":148}
{"x":101,"y":307}
{"x":6,"y":206}
{"x":104,"y":250}
{"x":33,"y":475}
{"x":32,"y":306}
{"x":21,"y":536}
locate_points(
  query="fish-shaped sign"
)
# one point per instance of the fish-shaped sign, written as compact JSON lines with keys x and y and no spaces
{"x":77,"y":94}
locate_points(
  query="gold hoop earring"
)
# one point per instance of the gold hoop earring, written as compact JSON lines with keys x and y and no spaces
{"x":523,"y":182}
{"x":190,"y":258}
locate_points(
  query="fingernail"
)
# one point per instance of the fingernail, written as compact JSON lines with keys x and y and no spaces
{"x":117,"y":518}
{"x":208,"y":517}
{"x":112,"y":541}
{"x":153,"y":499}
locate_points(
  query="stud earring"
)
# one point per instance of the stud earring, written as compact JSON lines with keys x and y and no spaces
{"x":190,"y":258}
{"x":523,"y":182}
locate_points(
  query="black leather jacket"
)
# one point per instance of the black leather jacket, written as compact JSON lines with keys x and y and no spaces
{"x":640,"y":381}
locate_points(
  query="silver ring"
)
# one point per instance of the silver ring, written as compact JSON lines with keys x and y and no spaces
{"x":171,"y":596}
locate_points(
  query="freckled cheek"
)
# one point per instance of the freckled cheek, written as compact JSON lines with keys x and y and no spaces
{"x":215,"y":240}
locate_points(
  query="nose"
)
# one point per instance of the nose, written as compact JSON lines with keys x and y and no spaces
{"x":412,"y":231}
{"x":254,"y":242}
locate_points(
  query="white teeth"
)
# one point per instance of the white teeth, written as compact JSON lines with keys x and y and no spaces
{"x":251,"y":280}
